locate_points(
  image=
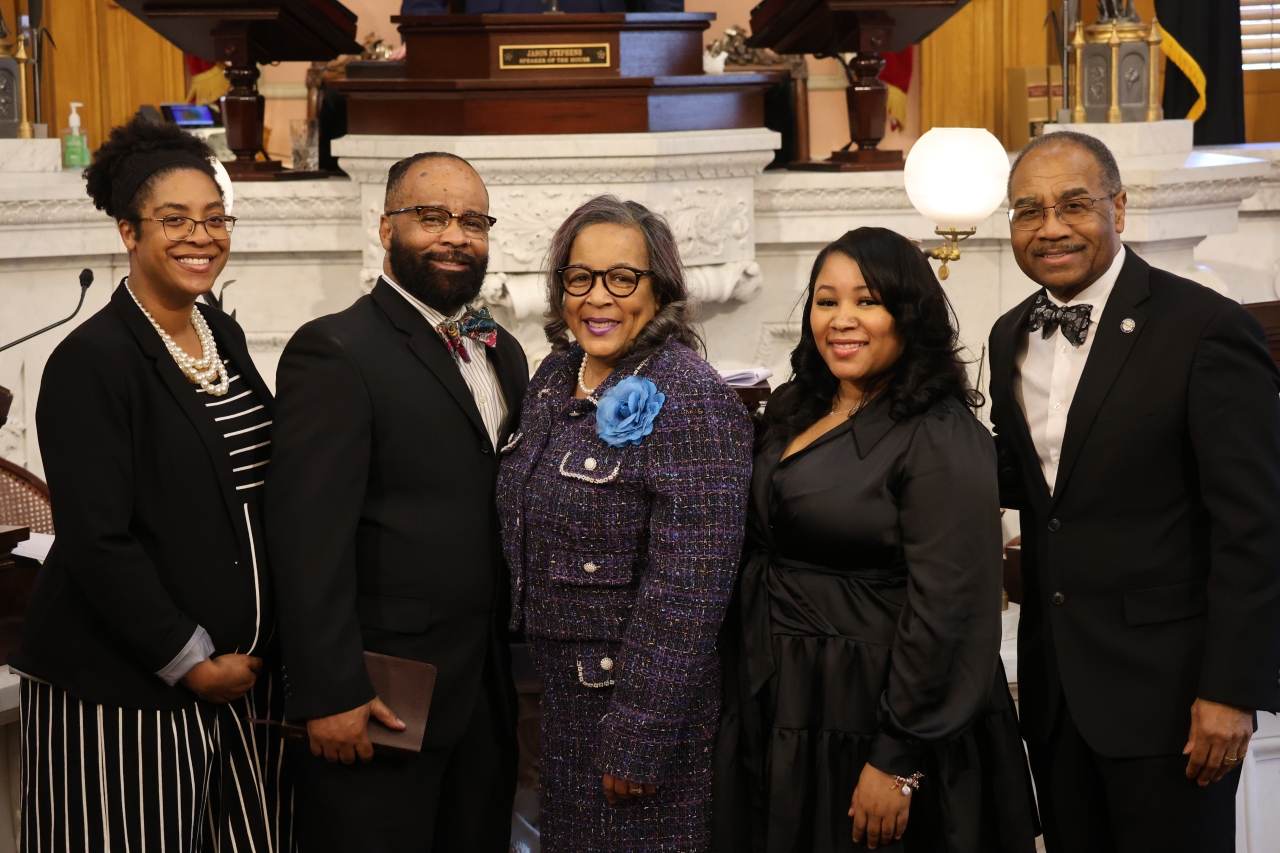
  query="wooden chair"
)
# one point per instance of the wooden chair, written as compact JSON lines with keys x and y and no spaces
{"x":24,"y":499}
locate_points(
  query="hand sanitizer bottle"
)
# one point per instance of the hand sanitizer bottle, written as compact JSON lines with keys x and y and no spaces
{"x":75,"y":145}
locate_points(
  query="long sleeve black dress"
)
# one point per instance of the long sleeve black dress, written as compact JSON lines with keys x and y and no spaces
{"x":867,"y":629}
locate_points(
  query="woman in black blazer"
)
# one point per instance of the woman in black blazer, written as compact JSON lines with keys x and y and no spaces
{"x":144,"y":644}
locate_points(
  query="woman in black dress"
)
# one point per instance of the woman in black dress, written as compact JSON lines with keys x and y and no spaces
{"x":148,"y":642}
{"x":865,"y":699}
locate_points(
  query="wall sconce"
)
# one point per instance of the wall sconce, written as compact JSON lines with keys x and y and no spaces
{"x":956,"y":178}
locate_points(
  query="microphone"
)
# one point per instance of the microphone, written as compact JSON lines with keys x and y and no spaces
{"x":86,"y":279}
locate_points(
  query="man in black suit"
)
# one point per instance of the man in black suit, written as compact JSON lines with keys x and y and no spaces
{"x":1138,"y":424}
{"x":380,"y":513}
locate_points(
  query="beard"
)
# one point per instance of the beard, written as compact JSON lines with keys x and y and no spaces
{"x":444,"y":290}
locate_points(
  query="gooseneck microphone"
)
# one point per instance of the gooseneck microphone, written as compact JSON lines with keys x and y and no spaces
{"x":86,"y":279}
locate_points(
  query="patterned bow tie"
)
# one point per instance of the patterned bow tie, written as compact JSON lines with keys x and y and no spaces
{"x":1072,"y":319}
{"x":475,"y":323}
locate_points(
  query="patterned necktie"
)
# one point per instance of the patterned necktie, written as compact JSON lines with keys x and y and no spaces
{"x":1072,"y":319}
{"x":476,"y":323}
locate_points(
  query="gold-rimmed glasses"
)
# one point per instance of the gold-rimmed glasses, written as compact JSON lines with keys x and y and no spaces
{"x":436,"y":219}
{"x":1072,"y":211}
{"x":178,"y":228}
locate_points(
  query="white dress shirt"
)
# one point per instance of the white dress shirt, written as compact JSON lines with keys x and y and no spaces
{"x":479,"y":374}
{"x":1049,"y":370}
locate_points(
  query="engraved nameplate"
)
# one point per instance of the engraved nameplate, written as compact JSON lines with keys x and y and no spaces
{"x":513,"y":56}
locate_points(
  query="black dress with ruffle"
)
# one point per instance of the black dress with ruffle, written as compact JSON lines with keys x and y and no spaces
{"x":866,"y":628}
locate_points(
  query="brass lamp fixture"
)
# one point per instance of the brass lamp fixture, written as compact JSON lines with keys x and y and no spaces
{"x":955,"y":177}
{"x":25,"y":130}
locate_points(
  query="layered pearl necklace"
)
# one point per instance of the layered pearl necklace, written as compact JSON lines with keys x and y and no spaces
{"x":582,"y":374}
{"x":207,"y":371}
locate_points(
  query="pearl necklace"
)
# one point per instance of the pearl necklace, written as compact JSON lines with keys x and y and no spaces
{"x":582,"y":373}
{"x":202,"y":371}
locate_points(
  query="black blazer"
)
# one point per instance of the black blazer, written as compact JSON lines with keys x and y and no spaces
{"x":1152,"y":575}
{"x":144,"y":504}
{"x":380,"y":509}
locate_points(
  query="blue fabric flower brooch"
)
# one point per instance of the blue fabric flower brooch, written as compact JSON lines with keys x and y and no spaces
{"x":625,"y":415}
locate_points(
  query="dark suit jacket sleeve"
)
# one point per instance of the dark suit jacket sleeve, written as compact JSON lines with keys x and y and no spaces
{"x":948,"y":639}
{"x":1233,"y":415}
{"x":1003,"y":410}
{"x":87,"y":444}
{"x":315,"y":495}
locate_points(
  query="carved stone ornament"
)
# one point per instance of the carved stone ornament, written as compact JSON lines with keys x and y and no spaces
{"x":805,"y":199}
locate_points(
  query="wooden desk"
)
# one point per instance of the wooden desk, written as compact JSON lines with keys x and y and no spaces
{"x":1268,"y":314}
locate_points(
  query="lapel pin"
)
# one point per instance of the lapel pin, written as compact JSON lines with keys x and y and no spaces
{"x":1127,"y":325}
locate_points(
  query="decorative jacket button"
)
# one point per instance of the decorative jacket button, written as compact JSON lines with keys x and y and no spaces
{"x":1054,"y":524}
{"x":606,"y":664}
{"x":1059,"y":598}
{"x":589,"y":567}
{"x":589,"y":463}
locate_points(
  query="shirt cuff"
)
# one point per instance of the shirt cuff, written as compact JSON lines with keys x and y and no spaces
{"x":197,"y":649}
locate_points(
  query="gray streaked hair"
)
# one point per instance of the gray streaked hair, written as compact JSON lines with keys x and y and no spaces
{"x":675,"y":317}
{"x":1111,"y":183}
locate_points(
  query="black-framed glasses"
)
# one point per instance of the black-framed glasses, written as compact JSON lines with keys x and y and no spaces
{"x":179,"y":228}
{"x":1073,"y":211}
{"x":620,"y":281}
{"x":436,"y":219}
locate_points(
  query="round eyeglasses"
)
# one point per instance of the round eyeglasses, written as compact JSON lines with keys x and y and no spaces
{"x":436,"y":219}
{"x":620,"y":281}
{"x":1073,"y":211}
{"x":179,"y":228}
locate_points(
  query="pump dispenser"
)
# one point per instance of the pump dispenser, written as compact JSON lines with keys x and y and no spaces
{"x":75,"y":145}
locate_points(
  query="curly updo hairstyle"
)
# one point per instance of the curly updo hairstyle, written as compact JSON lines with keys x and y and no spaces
{"x":930,"y":367}
{"x":129,"y":150}
{"x":675,"y":317}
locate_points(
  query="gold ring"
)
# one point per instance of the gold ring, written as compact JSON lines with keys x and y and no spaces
{"x":635,"y":789}
{"x":1230,"y":760}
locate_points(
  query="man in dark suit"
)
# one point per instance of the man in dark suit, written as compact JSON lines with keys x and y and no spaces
{"x":381,"y":515}
{"x":1138,"y":425}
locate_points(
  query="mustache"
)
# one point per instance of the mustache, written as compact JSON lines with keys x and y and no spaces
{"x":1055,"y":248}
{"x":451,"y":258}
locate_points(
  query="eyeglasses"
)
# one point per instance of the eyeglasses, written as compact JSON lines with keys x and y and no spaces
{"x":620,"y":281}
{"x":1073,"y":211}
{"x":436,"y":219}
{"x":179,"y":228}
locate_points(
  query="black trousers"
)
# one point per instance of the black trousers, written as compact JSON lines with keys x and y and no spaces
{"x":447,"y":801}
{"x":1090,"y":803}
{"x":102,"y":778}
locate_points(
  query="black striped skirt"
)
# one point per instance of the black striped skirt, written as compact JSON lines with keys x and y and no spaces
{"x":104,"y":778}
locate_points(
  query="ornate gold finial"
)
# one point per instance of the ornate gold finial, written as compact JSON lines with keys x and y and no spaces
{"x":1077,"y":50}
{"x":25,"y":130}
{"x":1155,"y":112}
{"x":1113,"y":111}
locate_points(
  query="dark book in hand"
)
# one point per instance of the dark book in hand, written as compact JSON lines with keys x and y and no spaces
{"x":404,"y":686}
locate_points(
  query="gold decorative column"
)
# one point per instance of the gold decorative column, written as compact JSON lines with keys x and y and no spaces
{"x":1077,"y":51}
{"x":1113,"y":111}
{"x":25,"y":130}
{"x":1155,"y":112}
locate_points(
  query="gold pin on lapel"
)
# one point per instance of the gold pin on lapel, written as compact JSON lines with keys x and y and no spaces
{"x":1127,"y":325}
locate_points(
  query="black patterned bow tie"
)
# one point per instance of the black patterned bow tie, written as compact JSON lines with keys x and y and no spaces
{"x":1072,"y":319}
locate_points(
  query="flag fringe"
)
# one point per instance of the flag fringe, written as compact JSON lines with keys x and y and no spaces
{"x":1187,"y":65}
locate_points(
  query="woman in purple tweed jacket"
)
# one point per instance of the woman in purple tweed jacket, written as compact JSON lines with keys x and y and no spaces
{"x":623,"y":499}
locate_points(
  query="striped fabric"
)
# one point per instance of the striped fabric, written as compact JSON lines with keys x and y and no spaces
{"x":246,"y":429}
{"x":479,"y":374}
{"x":102,"y":778}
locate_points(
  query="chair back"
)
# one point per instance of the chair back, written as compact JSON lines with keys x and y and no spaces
{"x":24,"y":499}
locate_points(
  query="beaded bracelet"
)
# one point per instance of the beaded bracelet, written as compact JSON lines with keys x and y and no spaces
{"x":907,"y":783}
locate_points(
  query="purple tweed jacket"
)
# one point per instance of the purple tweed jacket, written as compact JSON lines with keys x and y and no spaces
{"x":631,"y":551}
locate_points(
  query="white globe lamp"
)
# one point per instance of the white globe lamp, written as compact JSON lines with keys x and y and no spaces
{"x":956,"y":177}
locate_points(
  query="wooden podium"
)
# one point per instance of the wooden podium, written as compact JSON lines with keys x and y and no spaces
{"x":244,"y":33}
{"x":550,"y":73}
{"x":866,"y":28}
